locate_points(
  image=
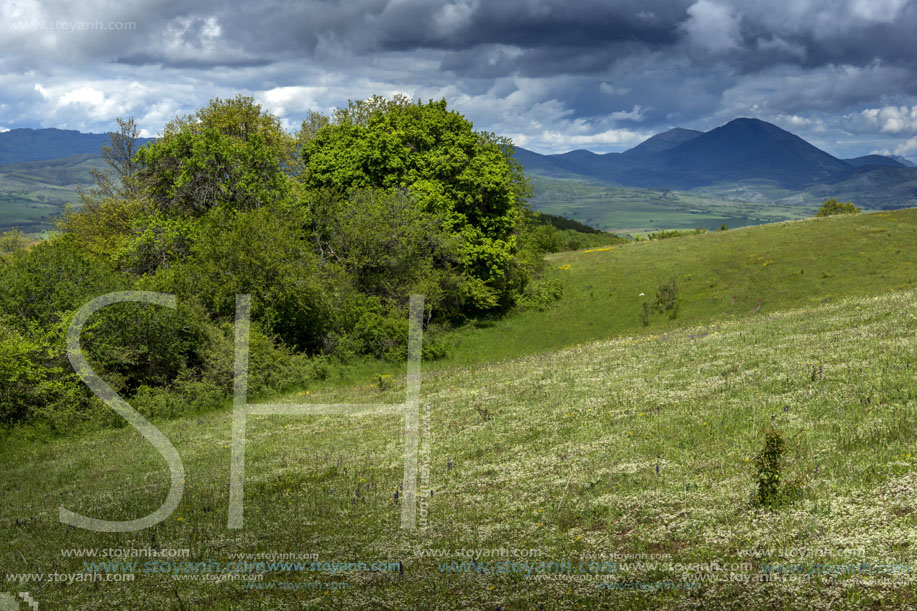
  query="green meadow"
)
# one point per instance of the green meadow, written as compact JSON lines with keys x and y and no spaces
{"x":719,"y":276}
{"x":580,"y":457}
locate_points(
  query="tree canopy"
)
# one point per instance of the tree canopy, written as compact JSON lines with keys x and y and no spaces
{"x":468,"y":179}
{"x":833,"y":207}
{"x":330,"y":230}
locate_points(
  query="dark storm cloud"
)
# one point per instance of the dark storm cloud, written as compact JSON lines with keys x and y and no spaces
{"x":550,"y":73}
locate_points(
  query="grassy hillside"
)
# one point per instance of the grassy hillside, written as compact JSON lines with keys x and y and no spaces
{"x":552,"y":458}
{"x":634,"y":446}
{"x":31,"y":193}
{"x":719,"y":276}
{"x":629,"y":210}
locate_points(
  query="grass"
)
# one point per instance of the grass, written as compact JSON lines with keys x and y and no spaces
{"x":573,"y":434}
{"x":720,"y":276}
{"x":564,"y":465}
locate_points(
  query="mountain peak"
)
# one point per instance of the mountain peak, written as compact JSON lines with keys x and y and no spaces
{"x":751,"y":124}
{"x":665,"y":140}
{"x":746,"y":149}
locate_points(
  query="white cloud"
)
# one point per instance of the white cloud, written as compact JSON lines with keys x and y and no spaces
{"x":793,"y":120}
{"x":712,"y":27}
{"x":65,"y":100}
{"x":887,"y":120}
{"x":635,"y":114}
{"x":211,"y":28}
{"x":454,"y":17}
{"x":907,"y":148}
{"x":91,"y":101}
{"x":83,"y":95}
{"x":877,"y":11}
{"x":564,"y":140}
{"x":283,"y":101}
{"x":198,"y":40}
{"x":609,"y":89}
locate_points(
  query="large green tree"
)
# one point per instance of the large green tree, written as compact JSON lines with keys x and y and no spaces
{"x":466,"y":178}
{"x":230,"y":153}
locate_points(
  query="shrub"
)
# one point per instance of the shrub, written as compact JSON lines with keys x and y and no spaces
{"x":540,"y":294}
{"x":37,"y":384}
{"x":769,"y":469}
{"x":262,"y":253}
{"x":53,"y":276}
{"x":833,"y":207}
{"x":388,"y":247}
{"x":665,"y":234}
{"x":230,"y":154}
{"x":666,"y":301}
{"x":11,"y":241}
{"x":20,"y":377}
{"x":272,"y":369}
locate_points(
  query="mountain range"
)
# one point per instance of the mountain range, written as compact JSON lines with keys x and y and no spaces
{"x":745,"y":172}
{"x":25,"y":144}
{"x":757,"y":156}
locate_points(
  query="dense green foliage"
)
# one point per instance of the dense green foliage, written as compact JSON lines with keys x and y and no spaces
{"x":546,"y":233}
{"x":665,"y":234}
{"x":466,"y":178}
{"x":833,"y":207}
{"x":330,"y":230}
{"x":564,"y":223}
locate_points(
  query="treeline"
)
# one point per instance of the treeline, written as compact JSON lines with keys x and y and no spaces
{"x":329,"y":229}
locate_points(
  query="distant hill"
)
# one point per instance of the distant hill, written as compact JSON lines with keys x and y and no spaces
{"x":740,"y":150}
{"x":875,"y":160}
{"x":903,"y":161}
{"x":875,"y":186}
{"x":67,"y":171}
{"x":746,"y":159}
{"x":535,"y":163}
{"x":23,"y":145}
{"x":40,"y":171}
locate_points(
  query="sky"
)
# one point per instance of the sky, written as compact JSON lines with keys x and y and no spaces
{"x":553,"y":75}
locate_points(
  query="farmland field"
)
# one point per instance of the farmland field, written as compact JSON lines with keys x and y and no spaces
{"x":635,"y":211}
{"x":31,"y":194}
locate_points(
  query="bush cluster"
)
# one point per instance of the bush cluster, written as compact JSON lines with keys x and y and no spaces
{"x":665,"y":302}
{"x":833,"y":207}
{"x":330,"y":230}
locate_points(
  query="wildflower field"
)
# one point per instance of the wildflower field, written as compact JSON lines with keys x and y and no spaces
{"x":616,"y":473}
